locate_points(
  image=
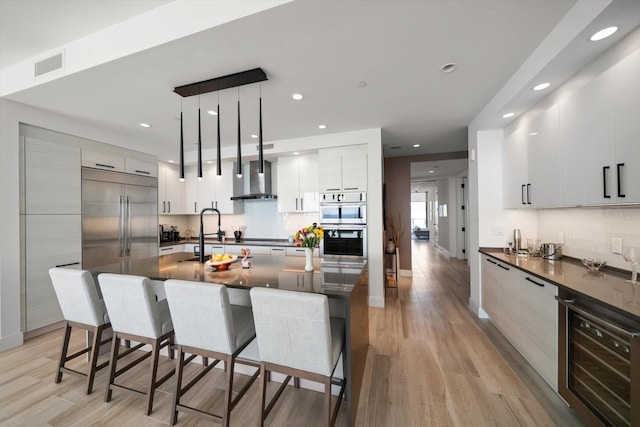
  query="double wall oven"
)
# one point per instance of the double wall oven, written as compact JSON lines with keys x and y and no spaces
{"x":344,"y":218}
{"x":599,"y":364}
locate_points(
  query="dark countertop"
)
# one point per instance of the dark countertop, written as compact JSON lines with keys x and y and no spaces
{"x":244,"y":242}
{"x":330,"y":277}
{"x":605,"y":286}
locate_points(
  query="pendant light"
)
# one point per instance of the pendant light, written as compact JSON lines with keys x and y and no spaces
{"x":181,"y":145}
{"x":260,"y":150}
{"x":239,"y":156}
{"x":219,"y":160}
{"x":199,"y":143}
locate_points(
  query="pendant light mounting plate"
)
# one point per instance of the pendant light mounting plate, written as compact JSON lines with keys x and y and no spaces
{"x":219,"y":83}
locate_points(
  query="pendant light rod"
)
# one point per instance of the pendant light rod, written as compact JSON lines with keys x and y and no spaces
{"x":239,"y":158}
{"x":260,"y":148}
{"x":218,"y":159}
{"x":199,"y":147}
{"x":219,"y":83}
{"x":181,"y":145}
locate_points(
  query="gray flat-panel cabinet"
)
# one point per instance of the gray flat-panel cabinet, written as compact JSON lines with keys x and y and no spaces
{"x":53,"y":180}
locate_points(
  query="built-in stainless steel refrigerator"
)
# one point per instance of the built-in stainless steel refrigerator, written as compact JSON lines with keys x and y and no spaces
{"x":119,"y":217}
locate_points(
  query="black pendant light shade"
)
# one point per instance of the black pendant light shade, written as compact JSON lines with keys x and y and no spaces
{"x":260,"y":150}
{"x":219,"y":160}
{"x":239,"y":158}
{"x":181,"y":147}
{"x":199,"y":147}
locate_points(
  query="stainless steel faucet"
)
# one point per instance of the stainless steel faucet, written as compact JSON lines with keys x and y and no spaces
{"x":201,"y":237}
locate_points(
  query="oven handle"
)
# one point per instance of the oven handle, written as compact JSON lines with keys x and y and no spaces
{"x":569,"y":303}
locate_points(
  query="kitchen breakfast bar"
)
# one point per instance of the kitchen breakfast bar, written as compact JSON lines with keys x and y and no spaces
{"x":344,"y":282}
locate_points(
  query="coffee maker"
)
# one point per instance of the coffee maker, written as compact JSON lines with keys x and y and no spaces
{"x":164,"y":231}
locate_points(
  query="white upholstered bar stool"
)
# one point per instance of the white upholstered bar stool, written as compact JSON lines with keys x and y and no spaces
{"x":206,"y":324}
{"x":82,"y":308}
{"x":137,"y":316}
{"x":296,"y":337}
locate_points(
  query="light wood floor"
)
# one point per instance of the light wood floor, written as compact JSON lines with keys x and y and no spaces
{"x":431,"y":363}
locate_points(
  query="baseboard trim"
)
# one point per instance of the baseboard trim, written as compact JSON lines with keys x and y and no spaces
{"x":43,"y":330}
{"x":376,"y":302}
{"x":11,"y":341}
{"x":405,"y":273}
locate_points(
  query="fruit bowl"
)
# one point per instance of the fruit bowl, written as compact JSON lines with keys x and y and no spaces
{"x":223,"y":264}
{"x":593,"y":264}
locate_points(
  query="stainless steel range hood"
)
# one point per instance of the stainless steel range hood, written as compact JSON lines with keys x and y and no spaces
{"x":259,"y":186}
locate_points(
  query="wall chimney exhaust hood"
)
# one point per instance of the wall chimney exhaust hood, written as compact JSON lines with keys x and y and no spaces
{"x":259,"y":186}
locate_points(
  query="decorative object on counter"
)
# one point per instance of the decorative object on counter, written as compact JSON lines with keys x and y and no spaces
{"x":391,"y":247}
{"x":290,"y":239}
{"x":632,"y":256}
{"x":551,"y":251}
{"x":245,"y":261}
{"x":593,"y":264}
{"x":221,"y":262}
{"x":517,"y":240}
{"x":397,"y":229}
{"x":217,"y":84}
{"x":309,"y":238}
{"x":238,"y":235}
{"x":533,"y":246}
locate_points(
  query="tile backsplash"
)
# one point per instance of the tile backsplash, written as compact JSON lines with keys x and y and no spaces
{"x":260,"y":220}
{"x":588,"y":231}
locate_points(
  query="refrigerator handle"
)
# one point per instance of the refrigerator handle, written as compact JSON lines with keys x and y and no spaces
{"x":121,"y":225}
{"x":128,"y":199}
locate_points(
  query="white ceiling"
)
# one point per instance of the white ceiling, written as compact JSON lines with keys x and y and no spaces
{"x":322,"y":49}
{"x":425,"y":175}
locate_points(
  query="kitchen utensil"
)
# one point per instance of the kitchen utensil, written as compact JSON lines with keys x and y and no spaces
{"x":517,"y":240}
{"x":238,"y":235}
{"x":551,"y":251}
{"x":533,"y":246}
{"x":593,"y":264}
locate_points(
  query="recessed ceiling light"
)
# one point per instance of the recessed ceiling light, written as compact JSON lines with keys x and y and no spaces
{"x":171,"y":161}
{"x":253,"y":135}
{"x":322,"y":126}
{"x":210,"y":161}
{"x":416,"y":145}
{"x":541,"y":86}
{"x":212,"y":113}
{"x":447,"y":68}
{"x":145,"y":125}
{"x":362,"y":84}
{"x":297,"y":96}
{"x":603,"y":34}
{"x":295,"y":153}
{"x":507,"y":115}
{"x":430,"y":171}
{"x":533,"y":133}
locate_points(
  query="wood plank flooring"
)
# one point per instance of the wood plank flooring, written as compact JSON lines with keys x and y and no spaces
{"x":431,"y":363}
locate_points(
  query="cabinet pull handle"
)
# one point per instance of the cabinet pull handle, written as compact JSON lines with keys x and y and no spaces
{"x":169,"y":203}
{"x":277,"y":249}
{"x":68,"y":264}
{"x":604,"y":182}
{"x":528,"y":194}
{"x":619,"y":167}
{"x":165,"y":249}
{"x":296,"y":203}
{"x":333,"y":189}
{"x":522,"y":194}
{"x":301,"y":204}
{"x":350,"y":188}
{"x":492,"y":261}
{"x":534,"y":282}
{"x":164,"y":206}
{"x":102,"y":165}
{"x":503,"y":267}
{"x":144,"y":172}
{"x":195,"y":207}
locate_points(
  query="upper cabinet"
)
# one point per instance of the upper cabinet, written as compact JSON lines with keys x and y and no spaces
{"x":514,"y":169}
{"x":543,"y":161}
{"x":212,"y":191}
{"x":343,"y":168}
{"x":169,"y":190}
{"x":298,"y":184}
{"x":52,"y":178}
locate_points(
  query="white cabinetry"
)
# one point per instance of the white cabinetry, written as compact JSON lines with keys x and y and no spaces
{"x":102,"y":160}
{"x":599,"y":126}
{"x":169,"y":189}
{"x":524,"y":309}
{"x":295,"y":251}
{"x":531,"y":163}
{"x":298,"y":184}
{"x":212,"y":191}
{"x":140,"y":167}
{"x":166,"y":250}
{"x":53,"y":182}
{"x":343,"y":168}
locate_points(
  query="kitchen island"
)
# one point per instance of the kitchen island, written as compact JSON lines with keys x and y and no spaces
{"x":344,"y":282}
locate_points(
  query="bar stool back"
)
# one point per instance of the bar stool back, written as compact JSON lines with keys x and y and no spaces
{"x":297,"y":337}
{"x":82,"y":308}
{"x":206,"y":324}
{"x":136,"y":315}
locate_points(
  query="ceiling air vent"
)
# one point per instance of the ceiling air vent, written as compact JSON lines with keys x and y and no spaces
{"x":395,"y":147}
{"x":265,"y":147}
{"x":48,"y":65}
